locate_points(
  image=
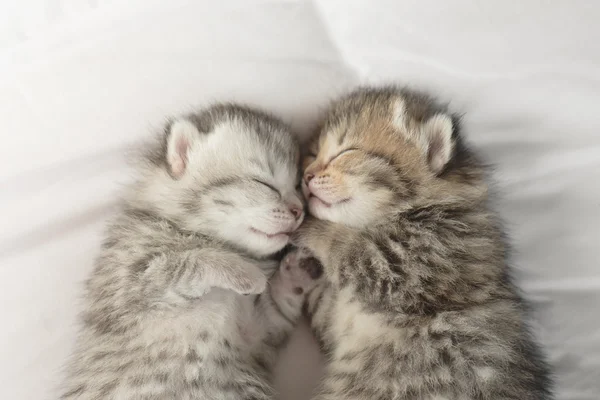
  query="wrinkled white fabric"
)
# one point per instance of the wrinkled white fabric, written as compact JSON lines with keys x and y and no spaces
{"x":82,"y":81}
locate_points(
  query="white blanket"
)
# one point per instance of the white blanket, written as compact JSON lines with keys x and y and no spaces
{"x":80,"y":81}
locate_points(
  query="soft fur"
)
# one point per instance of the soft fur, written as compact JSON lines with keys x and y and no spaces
{"x":165,"y":317}
{"x":418,"y":302}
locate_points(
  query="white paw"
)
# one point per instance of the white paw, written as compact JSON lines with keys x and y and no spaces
{"x":247,"y":281}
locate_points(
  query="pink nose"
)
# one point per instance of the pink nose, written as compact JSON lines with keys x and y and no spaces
{"x":308,"y":177}
{"x":296,"y":212}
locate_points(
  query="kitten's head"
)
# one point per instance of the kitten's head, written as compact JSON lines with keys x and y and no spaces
{"x":380,"y":151}
{"x":230,"y":172}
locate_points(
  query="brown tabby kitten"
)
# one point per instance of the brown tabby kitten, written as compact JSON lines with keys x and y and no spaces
{"x":418,"y":303}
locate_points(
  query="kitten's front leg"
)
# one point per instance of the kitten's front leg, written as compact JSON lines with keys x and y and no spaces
{"x":313,"y":235}
{"x":192,"y":273}
{"x":324,"y":240}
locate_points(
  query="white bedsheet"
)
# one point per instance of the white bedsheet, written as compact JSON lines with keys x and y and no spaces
{"x":80,"y":81}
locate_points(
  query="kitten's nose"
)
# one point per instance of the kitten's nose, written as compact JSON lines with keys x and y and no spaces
{"x":308,"y":177}
{"x":296,"y":212}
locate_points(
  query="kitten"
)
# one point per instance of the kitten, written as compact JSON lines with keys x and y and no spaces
{"x":164,"y":317}
{"x":418,"y":302}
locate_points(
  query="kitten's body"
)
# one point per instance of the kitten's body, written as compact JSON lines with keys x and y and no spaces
{"x":418,"y":303}
{"x":165,"y":317}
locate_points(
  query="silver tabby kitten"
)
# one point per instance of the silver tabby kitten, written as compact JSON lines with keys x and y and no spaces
{"x":164,"y":317}
{"x":418,"y":302}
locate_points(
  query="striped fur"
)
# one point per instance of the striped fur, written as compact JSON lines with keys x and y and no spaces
{"x":418,"y":302}
{"x":165,"y":317}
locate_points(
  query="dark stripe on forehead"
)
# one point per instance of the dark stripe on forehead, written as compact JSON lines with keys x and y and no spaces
{"x":383,"y":157}
{"x":380,"y":178}
{"x":289,"y":154}
{"x":271,"y":167}
{"x":399,"y":176}
{"x":223,"y":202}
{"x":264,"y":165}
{"x":256,"y":162}
{"x":221,"y":183}
{"x":342,"y":137}
{"x":190,"y":201}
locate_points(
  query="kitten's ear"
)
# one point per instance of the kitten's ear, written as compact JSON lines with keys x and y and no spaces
{"x":181,"y":137}
{"x":437,"y":133}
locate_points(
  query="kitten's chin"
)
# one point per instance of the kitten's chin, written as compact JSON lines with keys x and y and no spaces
{"x":264,"y":244}
{"x":322,"y":210}
{"x":329,"y":211}
{"x":270,"y":236}
{"x":317,"y":201}
{"x":347,"y":212}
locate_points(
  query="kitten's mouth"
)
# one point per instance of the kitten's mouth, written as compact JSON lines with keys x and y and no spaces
{"x":277,"y":235}
{"x":324,"y":203}
{"x":318,"y":200}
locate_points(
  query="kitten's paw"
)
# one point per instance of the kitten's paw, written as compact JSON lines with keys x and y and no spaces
{"x":299,"y":272}
{"x":313,"y":236}
{"x":245,"y":279}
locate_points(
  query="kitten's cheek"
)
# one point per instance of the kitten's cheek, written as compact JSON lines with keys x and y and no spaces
{"x":317,"y":208}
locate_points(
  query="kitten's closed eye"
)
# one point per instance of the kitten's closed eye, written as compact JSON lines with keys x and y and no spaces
{"x":344,"y":152}
{"x":267,"y":185}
